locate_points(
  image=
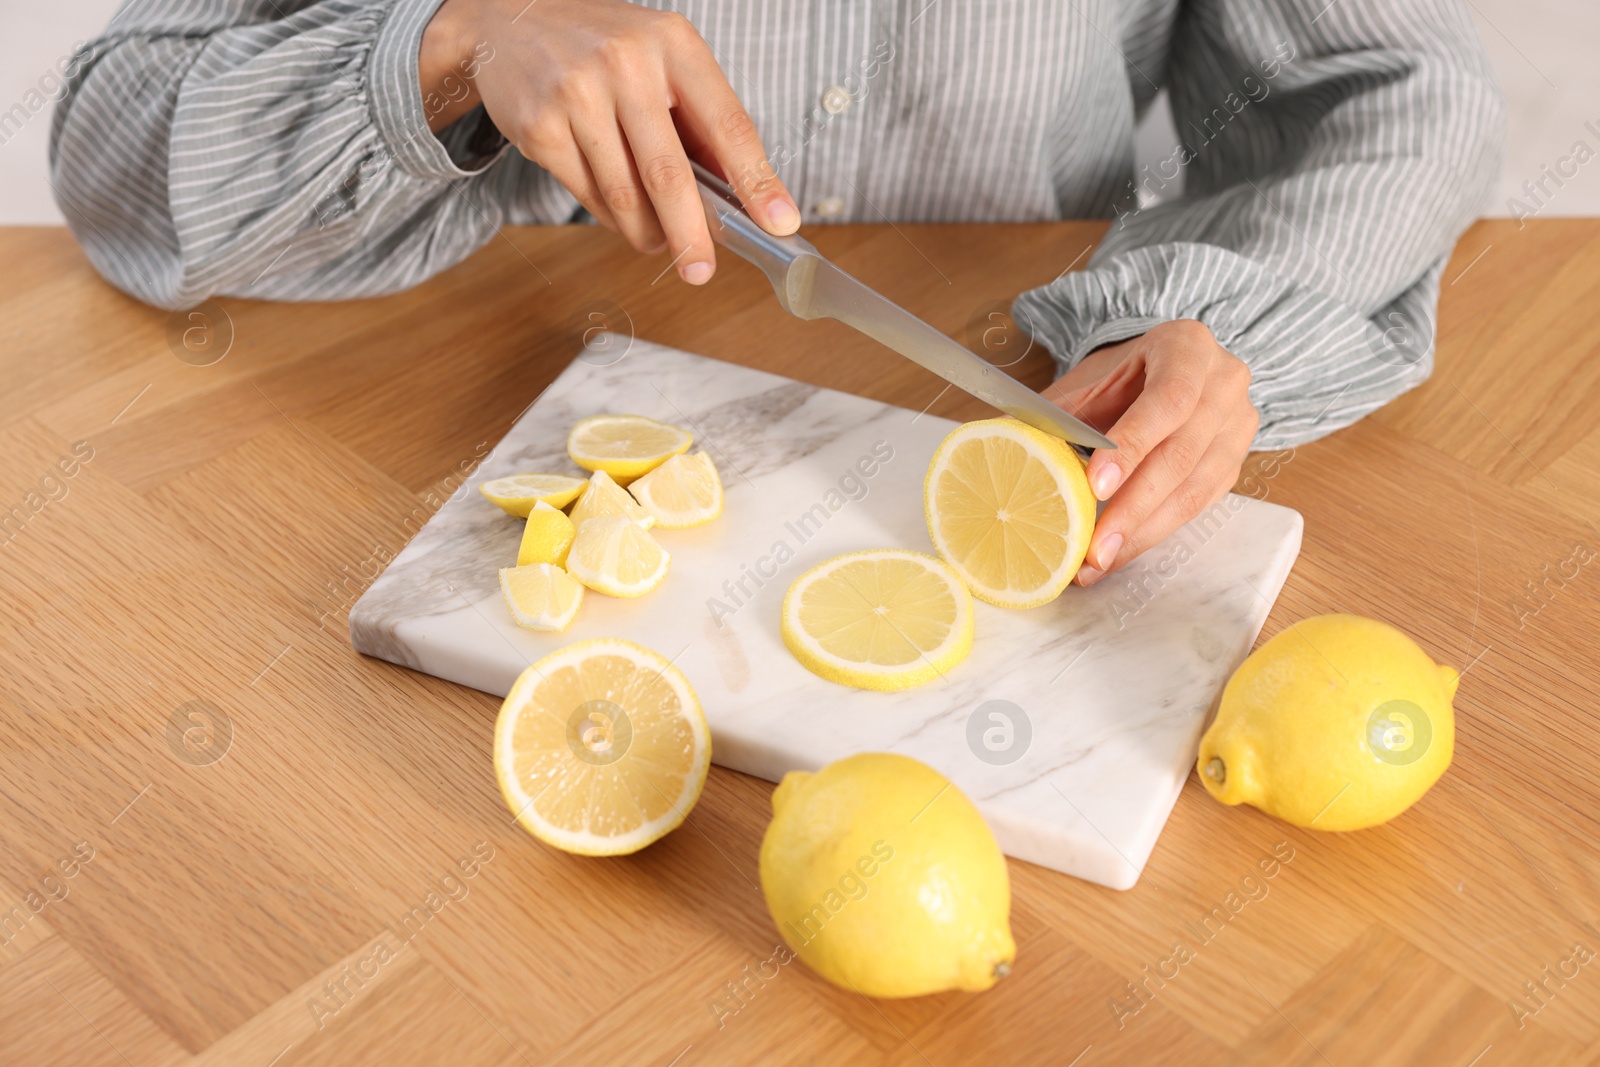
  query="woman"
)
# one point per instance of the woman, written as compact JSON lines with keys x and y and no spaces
{"x":1331,"y":152}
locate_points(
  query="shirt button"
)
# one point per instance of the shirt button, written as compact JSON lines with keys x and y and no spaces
{"x":829,"y":207}
{"x":835,"y":98}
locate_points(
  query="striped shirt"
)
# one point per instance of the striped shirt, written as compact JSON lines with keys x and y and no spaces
{"x":1330,"y":155}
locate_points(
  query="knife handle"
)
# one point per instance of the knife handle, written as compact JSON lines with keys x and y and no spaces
{"x":736,"y":231}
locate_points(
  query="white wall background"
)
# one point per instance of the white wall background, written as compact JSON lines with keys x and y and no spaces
{"x":1543,"y":51}
{"x":34,"y":35}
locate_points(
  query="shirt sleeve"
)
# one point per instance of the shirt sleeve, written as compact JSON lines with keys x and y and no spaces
{"x":273,"y":149}
{"x":1332,"y":154}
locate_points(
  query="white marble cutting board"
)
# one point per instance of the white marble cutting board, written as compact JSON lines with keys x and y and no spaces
{"x":1105,"y":691}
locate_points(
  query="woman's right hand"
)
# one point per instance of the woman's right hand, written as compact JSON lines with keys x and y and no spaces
{"x":613,"y":100}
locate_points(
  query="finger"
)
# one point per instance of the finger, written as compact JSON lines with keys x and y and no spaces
{"x":567,"y":165}
{"x":1175,"y":368}
{"x":668,"y":181}
{"x":549,"y":140}
{"x":609,"y":158}
{"x":719,"y":121}
{"x":1121,"y":524}
{"x":1099,"y":388}
{"x":1208,"y":483}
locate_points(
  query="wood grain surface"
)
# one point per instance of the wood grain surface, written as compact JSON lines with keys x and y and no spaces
{"x":228,"y":839}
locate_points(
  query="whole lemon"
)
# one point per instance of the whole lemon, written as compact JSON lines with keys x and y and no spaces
{"x":1337,"y":723}
{"x":883,"y":878}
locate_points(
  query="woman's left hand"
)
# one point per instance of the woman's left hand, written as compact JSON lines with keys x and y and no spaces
{"x":1178,"y":407}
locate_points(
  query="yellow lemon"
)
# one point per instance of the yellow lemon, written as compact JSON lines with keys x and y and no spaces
{"x":881,"y":619}
{"x":684,"y":491}
{"x":541,"y":596}
{"x":605,"y":497}
{"x":884,"y":879}
{"x":625,"y":446}
{"x":1010,"y":508}
{"x":601,"y":748}
{"x":612,"y":555}
{"x":1337,"y":723}
{"x":517,"y":493}
{"x":547,"y":536}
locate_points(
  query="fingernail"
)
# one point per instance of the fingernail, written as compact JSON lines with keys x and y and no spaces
{"x":697,"y":273}
{"x":1105,"y":481}
{"x":782,"y":217}
{"x":1105,"y":553}
{"x":1088,"y":575}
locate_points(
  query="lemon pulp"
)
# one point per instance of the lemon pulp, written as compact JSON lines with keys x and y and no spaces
{"x":541,"y":596}
{"x":612,"y":555}
{"x":880,"y":619}
{"x":601,"y":748}
{"x":1010,"y":508}
{"x":624,"y":446}
{"x":684,"y":491}
{"x":605,"y":497}
{"x":516,"y":494}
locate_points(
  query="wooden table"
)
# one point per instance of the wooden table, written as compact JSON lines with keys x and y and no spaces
{"x":228,"y":839}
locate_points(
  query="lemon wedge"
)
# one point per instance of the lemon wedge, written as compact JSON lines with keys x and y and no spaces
{"x":541,"y":596}
{"x":1009,"y":507}
{"x":881,"y":619}
{"x":605,"y":497}
{"x":601,"y":748}
{"x":684,"y":491}
{"x":517,"y":493}
{"x":547,"y":536}
{"x":614,"y":556}
{"x":625,"y":446}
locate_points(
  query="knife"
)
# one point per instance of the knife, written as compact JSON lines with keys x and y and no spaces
{"x":810,"y":287}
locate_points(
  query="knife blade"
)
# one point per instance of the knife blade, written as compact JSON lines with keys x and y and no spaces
{"x":808,"y":286}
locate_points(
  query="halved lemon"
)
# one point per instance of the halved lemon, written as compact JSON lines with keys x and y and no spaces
{"x":601,"y":748}
{"x":612,"y":555}
{"x":517,"y":493}
{"x":881,"y":619}
{"x":625,"y":446}
{"x":541,"y":596}
{"x":684,"y":491}
{"x":547,"y":536}
{"x":1009,"y":507}
{"x":605,"y":497}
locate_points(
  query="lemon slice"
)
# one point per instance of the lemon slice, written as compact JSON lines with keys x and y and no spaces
{"x":625,"y":446}
{"x":546,"y":537}
{"x":684,"y":491}
{"x":601,"y":748}
{"x":605,"y":497}
{"x":517,"y":493}
{"x":882,"y":619}
{"x":612,"y":555}
{"x":1009,"y":507}
{"x":541,"y":596}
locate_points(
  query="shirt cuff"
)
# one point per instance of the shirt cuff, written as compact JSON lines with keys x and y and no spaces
{"x":395,"y":97}
{"x":473,"y":141}
{"x":1317,"y":364}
